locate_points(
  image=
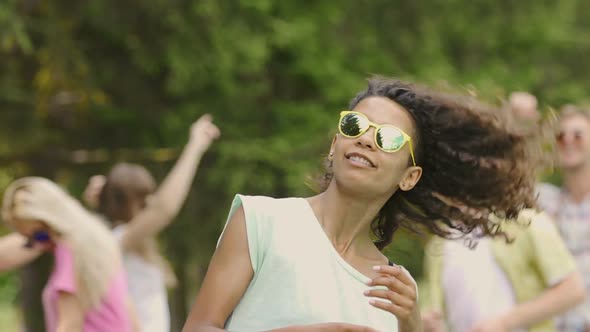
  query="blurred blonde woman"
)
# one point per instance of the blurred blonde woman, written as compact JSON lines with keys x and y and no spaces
{"x":87,"y":289}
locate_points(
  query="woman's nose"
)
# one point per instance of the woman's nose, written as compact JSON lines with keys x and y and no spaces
{"x":366,"y":139}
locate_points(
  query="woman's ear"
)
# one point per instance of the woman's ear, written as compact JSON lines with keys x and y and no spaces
{"x":331,"y":154}
{"x":411,"y":178}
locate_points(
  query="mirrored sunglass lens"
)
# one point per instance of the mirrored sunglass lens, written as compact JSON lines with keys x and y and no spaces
{"x":390,"y":139}
{"x":352,"y":124}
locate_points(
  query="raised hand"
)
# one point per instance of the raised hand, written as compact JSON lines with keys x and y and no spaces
{"x":92,"y":191}
{"x":204,"y":132}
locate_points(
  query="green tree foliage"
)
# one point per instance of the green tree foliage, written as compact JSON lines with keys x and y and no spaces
{"x":130,"y":76}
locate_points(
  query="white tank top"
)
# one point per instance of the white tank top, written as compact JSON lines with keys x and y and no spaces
{"x":299,"y":277}
{"x":147,"y":289}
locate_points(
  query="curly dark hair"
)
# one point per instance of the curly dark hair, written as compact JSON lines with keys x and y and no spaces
{"x":476,"y":169}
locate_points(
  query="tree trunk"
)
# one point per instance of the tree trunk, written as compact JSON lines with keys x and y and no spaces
{"x":178,"y":307}
{"x":33,"y":278}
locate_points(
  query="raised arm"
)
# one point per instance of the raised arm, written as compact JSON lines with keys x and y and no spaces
{"x":13,"y":253}
{"x":165,"y":204}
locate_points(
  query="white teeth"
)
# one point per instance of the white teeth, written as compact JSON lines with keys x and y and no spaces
{"x":361,"y":160}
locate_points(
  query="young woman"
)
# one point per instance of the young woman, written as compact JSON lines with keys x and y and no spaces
{"x":138,"y":212}
{"x":315,"y":264}
{"x":87,"y":289}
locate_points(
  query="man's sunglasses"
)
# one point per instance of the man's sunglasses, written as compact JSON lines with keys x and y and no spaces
{"x":387,"y":137}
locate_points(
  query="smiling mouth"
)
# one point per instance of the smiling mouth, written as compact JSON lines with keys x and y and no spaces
{"x":360,"y":160}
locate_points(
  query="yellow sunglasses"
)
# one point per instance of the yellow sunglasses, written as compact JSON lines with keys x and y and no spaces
{"x":388,"y":138}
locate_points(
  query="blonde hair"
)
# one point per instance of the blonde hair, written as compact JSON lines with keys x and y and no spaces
{"x":94,"y":249}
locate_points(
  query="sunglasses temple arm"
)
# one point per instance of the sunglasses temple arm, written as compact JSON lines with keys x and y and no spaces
{"x":412,"y":151}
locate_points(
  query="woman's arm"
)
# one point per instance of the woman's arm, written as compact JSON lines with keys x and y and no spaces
{"x":13,"y":253}
{"x":555,"y":300}
{"x":165,"y":204}
{"x":227,"y":278}
{"x":70,"y":316}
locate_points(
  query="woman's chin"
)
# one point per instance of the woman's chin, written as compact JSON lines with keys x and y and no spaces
{"x":356,"y":185}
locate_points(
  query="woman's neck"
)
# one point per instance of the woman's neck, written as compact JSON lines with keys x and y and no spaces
{"x":347,"y":220}
{"x":577,"y":183}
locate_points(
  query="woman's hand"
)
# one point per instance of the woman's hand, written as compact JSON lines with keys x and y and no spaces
{"x":204,"y":132}
{"x":91,"y":194}
{"x":401,"y":295}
